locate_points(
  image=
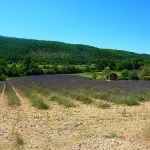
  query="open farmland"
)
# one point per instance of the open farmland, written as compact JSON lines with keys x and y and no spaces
{"x":72,"y":112}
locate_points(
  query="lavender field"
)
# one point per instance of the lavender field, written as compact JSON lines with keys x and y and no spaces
{"x":70,"y":112}
{"x":65,"y":90}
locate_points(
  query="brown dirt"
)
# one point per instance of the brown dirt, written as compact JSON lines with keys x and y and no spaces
{"x":84,"y":127}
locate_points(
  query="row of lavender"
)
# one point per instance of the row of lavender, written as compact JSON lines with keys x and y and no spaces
{"x":2,"y":83}
{"x":9,"y":92}
{"x":63,"y":88}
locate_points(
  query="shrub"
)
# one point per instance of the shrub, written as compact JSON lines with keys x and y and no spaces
{"x":124,"y":73}
{"x":133,"y":76}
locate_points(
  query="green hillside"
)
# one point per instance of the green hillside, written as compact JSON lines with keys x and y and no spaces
{"x":51,"y":52}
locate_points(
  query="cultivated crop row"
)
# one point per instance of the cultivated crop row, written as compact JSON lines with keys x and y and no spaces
{"x":63,"y":88}
{"x":11,"y":96}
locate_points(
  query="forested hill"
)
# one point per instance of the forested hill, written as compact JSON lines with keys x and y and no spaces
{"x":50,"y":52}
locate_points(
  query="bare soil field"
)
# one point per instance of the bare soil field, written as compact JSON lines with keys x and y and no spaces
{"x":84,"y":127}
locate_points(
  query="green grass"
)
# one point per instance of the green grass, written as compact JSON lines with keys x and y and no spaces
{"x":42,"y":105}
{"x":103,"y":105}
{"x":130,"y":101}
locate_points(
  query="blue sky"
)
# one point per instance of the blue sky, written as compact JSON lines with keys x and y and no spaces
{"x":116,"y":24}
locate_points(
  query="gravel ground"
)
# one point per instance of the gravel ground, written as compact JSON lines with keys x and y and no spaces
{"x":84,"y":127}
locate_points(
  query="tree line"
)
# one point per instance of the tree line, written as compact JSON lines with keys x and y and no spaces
{"x":43,"y":52}
{"x":29,"y":67}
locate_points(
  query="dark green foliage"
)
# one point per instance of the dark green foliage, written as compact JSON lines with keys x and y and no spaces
{"x":3,"y":70}
{"x":2,"y":77}
{"x":102,"y":63}
{"x":51,"y":52}
{"x":13,"y":71}
{"x":133,"y":76}
{"x":87,"y":69}
{"x":30,"y":67}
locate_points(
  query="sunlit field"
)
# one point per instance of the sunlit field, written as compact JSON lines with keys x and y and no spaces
{"x":64,"y":89}
{"x":73,"y":112}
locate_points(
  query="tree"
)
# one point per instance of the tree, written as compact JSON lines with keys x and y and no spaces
{"x":3,"y":62}
{"x":13,"y":71}
{"x":94,"y":76}
{"x":2,"y":75}
{"x":106,"y":72}
{"x":30,"y":67}
{"x":87,"y":69}
{"x":102,"y":63}
{"x":55,"y":68}
{"x":26,"y":62}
